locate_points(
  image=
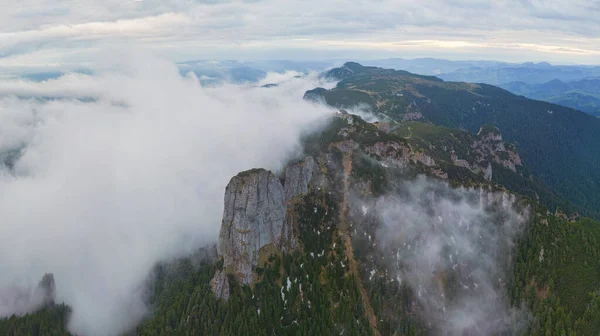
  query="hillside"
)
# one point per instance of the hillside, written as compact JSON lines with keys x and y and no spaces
{"x":330,"y":259}
{"x":582,"y":95}
{"x":559,"y":145}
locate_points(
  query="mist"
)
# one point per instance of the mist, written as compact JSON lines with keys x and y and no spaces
{"x":454,"y":248}
{"x":113,"y":172}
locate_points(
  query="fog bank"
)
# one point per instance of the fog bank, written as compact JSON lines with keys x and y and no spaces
{"x":105,"y":175}
{"x":454,"y":247}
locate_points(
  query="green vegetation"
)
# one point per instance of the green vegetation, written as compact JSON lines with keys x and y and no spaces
{"x":308,"y":293}
{"x":249,"y":172}
{"x":312,"y":291}
{"x":49,"y":321}
{"x":438,"y":142}
{"x":557,"y":273}
{"x":557,"y":144}
{"x":340,"y":129}
{"x":368,"y":169}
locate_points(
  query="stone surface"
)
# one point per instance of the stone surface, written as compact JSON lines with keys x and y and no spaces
{"x":297,"y":178}
{"x":253,"y":217}
{"x":488,"y":172}
{"x":489,"y":134}
{"x":220,"y":285}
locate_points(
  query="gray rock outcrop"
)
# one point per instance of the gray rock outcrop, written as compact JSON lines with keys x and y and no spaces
{"x":488,"y":173}
{"x":220,"y":285}
{"x":257,"y":215}
{"x":297,"y":178}
{"x":253,"y":217}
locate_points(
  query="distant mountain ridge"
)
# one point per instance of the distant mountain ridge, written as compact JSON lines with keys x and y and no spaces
{"x":533,"y":74}
{"x":583,"y":95}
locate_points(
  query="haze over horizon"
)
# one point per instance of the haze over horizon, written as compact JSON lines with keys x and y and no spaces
{"x":50,"y":33}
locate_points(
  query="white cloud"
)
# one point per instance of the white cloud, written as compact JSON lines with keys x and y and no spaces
{"x":454,"y":247}
{"x":231,"y":29}
{"x":105,"y":189}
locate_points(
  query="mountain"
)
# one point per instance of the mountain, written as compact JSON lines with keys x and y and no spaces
{"x":582,"y":95}
{"x":382,"y":228}
{"x":350,"y":270}
{"x":431,"y":66}
{"x":489,"y":72}
{"x":559,"y":145}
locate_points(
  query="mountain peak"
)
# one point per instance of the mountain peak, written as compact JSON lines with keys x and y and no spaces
{"x":354,"y":66}
{"x":345,"y":71}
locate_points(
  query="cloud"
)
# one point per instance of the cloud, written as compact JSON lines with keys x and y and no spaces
{"x":453,"y":247}
{"x":232,"y":29}
{"x":106,"y":187}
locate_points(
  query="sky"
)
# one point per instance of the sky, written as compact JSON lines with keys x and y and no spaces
{"x":47,"y":33}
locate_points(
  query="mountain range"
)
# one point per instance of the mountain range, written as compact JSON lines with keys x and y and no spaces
{"x":582,"y":95}
{"x":574,"y":86}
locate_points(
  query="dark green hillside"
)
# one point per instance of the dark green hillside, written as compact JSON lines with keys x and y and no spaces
{"x":558,"y":274}
{"x":559,"y":145}
{"x":51,"y":321}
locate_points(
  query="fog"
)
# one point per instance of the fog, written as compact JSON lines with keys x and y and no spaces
{"x":101,"y":188}
{"x":454,"y":247}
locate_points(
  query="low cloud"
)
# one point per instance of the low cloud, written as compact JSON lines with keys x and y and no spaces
{"x":453,"y":247}
{"x":100,"y":189}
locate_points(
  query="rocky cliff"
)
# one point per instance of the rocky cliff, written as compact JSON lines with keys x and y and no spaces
{"x":220,"y":285}
{"x":256,"y":219}
{"x":252,"y":219}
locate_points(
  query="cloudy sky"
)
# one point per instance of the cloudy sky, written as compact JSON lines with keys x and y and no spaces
{"x":50,"y":32}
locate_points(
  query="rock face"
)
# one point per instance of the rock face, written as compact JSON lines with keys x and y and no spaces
{"x":399,"y":154}
{"x":489,"y":134}
{"x":220,"y":285}
{"x":412,"y":112}
{"x":253,"y":217}
{"x":489,"y":143}
{"x":488,"y":173}
{"x":297,"y":178}
{"x":258,"y":214}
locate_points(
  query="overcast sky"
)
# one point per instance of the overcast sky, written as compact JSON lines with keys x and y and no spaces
{"x":51,"y":32}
